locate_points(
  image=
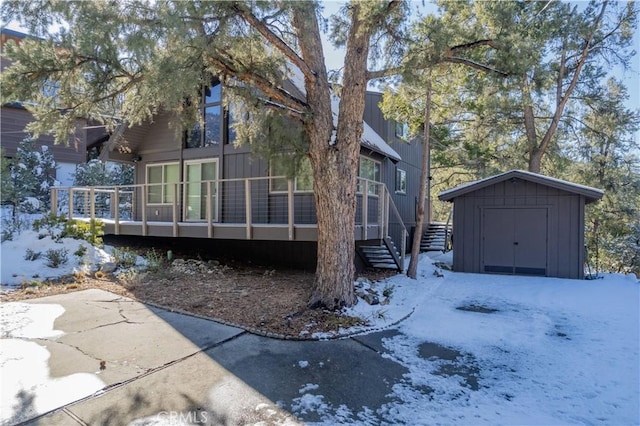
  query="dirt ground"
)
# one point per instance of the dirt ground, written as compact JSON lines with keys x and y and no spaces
{"x":258,"y":298}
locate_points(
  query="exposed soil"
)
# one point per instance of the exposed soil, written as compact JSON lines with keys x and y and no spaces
{"x":257,"y":298}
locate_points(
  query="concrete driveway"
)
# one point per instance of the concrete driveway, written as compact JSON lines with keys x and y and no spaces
{"x":150,"y":366}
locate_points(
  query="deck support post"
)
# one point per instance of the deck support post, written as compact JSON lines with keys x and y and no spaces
{"x":70,"y":203}
{"x":54,"y":200}
{"x":144,"y":210}
{"x":209,"y":208}
{"x":116,"y":212}
{"x":247,"y":201}
{"x":365,"y":209}
{"x":92,"y":203}
{"x":290,"y":212}
{"x":174,"y":215}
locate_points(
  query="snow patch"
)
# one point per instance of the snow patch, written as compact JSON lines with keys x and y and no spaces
{"x":27,"y":388}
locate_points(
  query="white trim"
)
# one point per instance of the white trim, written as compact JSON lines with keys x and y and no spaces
{"x":379,"y":163}
{"x":162,"y":184}
{"x":404,"y":174}
{"x":214,"y":211}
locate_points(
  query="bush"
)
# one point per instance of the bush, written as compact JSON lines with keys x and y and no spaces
{"x":14,"y":226}
{"x":124,"y":257}
{"x":155,"y":261}
{"x":82,"y":250}
{"x":32,"y":255}
{"x":56,"y":257}
{"x":91,"y":231}
{"x":58,"y":227}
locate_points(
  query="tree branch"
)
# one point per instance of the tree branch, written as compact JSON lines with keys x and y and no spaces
{"x":474,"y":44}
{"x":276,"y":41}
{"x":472,"y":64}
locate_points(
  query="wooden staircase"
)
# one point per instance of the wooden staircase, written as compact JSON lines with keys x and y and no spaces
{"x":435,"y":237}
{"x":383,"y":256}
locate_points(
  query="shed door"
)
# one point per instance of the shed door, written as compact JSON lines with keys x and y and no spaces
{"x":515,"y":240}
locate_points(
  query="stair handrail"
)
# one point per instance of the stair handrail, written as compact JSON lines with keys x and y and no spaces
{"x":448,"y":241}
{"x":391,"y":206}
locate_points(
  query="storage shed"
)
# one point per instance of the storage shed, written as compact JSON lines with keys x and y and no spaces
{"x":520,"y":223}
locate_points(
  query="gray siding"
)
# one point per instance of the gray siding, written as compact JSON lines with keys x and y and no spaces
{"x":565,"y":221}
{"x":411,"y":153}
{"x":13,"y":121}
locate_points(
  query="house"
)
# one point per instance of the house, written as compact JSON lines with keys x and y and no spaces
{"x":14,"y":117}
{"x":200,"y":185}
{"x":520,"y":223}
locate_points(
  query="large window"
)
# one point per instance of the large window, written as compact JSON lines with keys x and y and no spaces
{"x":212,"y":118}
{"x":197,"y":175}
{"x":161,"y":178}
{"x":303,"y":181}
{"x":369,"y":169}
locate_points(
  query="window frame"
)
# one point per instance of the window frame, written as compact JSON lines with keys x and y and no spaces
{"x":215,"y":186}
{"x":402,"y":130}
{"x":202,"y":108}
{"x":401,"y":181}
{"x":164,"y":184}
{"x":295,"y":179}
{"x":373,"y":191}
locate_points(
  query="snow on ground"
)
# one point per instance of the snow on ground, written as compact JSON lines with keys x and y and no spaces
{"x":27,"y":387}
{"x":17,"y":269}
{"x":524,"y":350}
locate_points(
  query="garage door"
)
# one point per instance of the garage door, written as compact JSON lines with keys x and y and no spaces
{"x":514,"y":240}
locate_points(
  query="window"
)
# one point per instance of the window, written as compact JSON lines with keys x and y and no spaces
{"x":402,"y":131}
{"x":159,"y":178}
{"x":369,"y":169}
{"x":401,"y":181}
{"x":303,"y":182}
{"x":212,"y":118}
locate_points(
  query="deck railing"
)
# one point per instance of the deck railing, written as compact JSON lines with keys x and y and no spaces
{"x":244,"y":202}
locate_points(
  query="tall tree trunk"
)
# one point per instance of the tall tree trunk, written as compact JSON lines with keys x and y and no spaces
{"x":334,"y":160}
{"x":538,"y":150}
{"x":412,"y":271}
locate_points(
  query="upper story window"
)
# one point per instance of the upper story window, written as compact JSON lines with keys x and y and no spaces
{"x":402,"y":131}
{"x":401,"y":181}
{"x":212,"y":117}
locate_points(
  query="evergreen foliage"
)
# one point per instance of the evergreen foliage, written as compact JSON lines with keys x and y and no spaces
{"x":27,"y":177}
{"x":98,"y":173}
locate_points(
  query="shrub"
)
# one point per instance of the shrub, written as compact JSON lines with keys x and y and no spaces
{"x":32,"y":255}
{"x":82,"y":250}
{"x":50,"y":225}
{"x":56,"y":257}
{"x":124,"y":257}
{"x":154,"y":259}
{"x":58,"y":227}
{"x":91,"y":231}
{"x":13,"y":226}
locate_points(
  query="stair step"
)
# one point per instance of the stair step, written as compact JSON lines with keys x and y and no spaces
{"x":390,"y":265}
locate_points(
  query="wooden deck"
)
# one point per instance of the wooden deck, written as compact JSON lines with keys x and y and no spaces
{"x":226,"y":231}
{"x":250,"y":212}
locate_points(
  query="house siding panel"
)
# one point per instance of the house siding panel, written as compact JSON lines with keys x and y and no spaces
{"x":14,"y":121}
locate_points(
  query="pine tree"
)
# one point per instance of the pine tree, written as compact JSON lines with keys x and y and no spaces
{"x":32,"y":175}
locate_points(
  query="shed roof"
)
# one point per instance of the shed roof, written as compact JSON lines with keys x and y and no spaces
{"x":590,"y":194}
